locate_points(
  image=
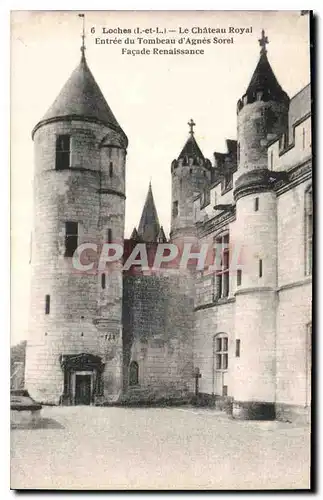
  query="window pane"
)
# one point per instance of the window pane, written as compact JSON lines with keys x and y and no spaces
{"x":226,"y":259}
{"x":70,"y":228}
{"x":218,"y":286}
{"x":218,"y":361}
{"x":218,"y":344}
{"x":175,"y":208}
{"x":238,"y":348}
{"x":62,"y":152}
{"x":103,"y":281}
{"x":71,"y":236}
{"x":224,"y":361}
{"x":225,"y":292}
{"x":224,"y":344}
{"x":225,"y":390}
{"x":47,"y":304}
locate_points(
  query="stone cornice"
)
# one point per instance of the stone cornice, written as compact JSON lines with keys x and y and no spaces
{"x":214,"y":303}
{"x":112,"y":191}
{"x":216,"y":223}
{"x":255,"y":289}
{"x":300,"y":173}
{"x":70,"y":118}
{"x":287,"y":286}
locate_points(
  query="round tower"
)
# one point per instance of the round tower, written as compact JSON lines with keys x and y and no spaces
{"x":191,"y":175}
{"x":262,"y":113}
{"x":74,"y":353}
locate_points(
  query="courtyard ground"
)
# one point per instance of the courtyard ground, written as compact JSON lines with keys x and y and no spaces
{"x":152,"y":448}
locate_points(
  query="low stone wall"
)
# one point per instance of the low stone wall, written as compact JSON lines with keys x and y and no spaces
{"x":293,"y":413}
{"x":155,"y":396}
{"x":24,"y":418}
{"x":24,"y":411}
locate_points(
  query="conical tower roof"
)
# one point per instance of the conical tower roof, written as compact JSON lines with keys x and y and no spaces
{"x":263,"y":79}
{"x":81,"y":98}
{"x":148,"y":229}
{"x":191,"y":149}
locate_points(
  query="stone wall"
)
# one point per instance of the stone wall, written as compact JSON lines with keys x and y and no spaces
{"x":158,"y":326}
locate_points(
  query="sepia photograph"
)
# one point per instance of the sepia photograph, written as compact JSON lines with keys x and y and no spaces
{"x":161,"y":250}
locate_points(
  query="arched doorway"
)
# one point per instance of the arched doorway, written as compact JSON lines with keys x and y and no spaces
{"x":83,"y":379}
{"x":133,"y":373}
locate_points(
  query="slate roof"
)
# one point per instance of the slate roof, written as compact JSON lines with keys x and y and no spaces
{"x":149,"y":228}
{"x":264,"y":79}
{"x":81,"y":97}
{"x":191,"y":149}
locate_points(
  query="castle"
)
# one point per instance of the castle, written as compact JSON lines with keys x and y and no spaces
{"x":238,"y":337}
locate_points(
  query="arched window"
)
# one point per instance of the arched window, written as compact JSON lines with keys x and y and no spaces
{"x":308,"y":230}
{"x":220,"y":363}
{"x":133,"y":373}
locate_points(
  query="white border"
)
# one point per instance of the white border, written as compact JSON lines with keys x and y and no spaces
{"x":5,"y":8}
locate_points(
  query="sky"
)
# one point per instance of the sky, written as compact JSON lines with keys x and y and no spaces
{"x":153,"y":97}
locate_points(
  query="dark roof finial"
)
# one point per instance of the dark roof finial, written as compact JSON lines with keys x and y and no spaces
{"x":191,"y":124}
{"x":263,"y":41}
{"x":83,"y":37}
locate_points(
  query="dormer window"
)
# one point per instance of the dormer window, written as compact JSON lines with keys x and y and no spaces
{"x":63,"y":152}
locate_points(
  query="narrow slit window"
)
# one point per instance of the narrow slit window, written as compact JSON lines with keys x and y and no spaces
{"x":271,"y":160}
{"x":103,"y":282}
{"x":239,"y":277}
{"x":111,"y":169}
{"x":71,"y":237}
{"x":238,"y":348}
{"x":109,"y":235}
{"x":47,"y":304}
{"x":256,"y":204}
{"x":175,"y":208}
{"x":63,"y":152}
{"x":304,"y":137}
{"x":260,"y":268}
